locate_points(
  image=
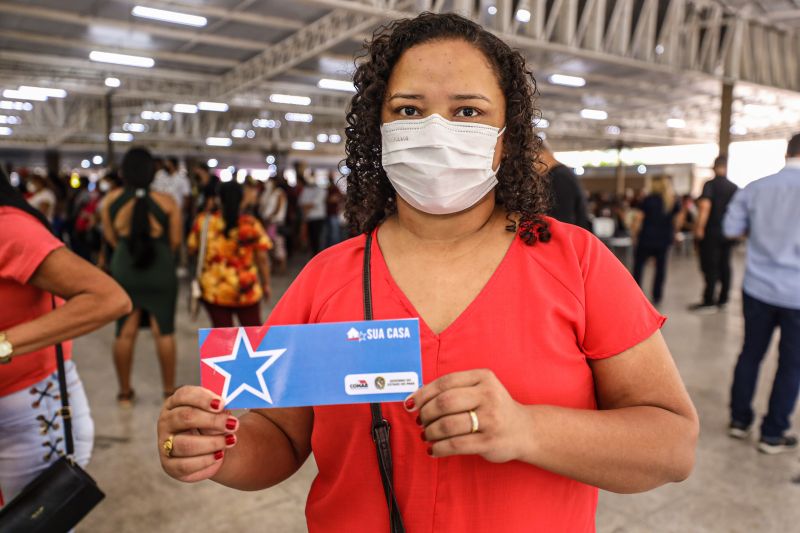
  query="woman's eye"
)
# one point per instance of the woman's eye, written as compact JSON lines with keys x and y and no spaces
{"x":408,"y":111}
{"x":467,"y":112}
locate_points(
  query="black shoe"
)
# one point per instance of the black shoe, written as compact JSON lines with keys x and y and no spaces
{"x":738,"y":430}
{"x":704,"y":309}
{"x":775,"y":445}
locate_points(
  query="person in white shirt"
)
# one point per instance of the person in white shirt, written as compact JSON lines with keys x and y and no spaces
{"x":42,"y":198}
{"x":171,"y":181}
{"x":273,"y":211}
{"x":312,"y":202}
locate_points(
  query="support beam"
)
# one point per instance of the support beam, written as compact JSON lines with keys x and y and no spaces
{"x":725,"y":114}
{"x":77,"y":44}
{"x":335,"y":27}
{"x":109,"y":125}
{"x":255,"y":19}
{"x":57,"y":15}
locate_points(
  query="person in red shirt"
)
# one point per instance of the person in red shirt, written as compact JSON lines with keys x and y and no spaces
{"x":546,"y":375}
{"x":34,"y":265}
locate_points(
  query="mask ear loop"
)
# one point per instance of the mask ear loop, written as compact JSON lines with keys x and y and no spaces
{"x":499,"y":133}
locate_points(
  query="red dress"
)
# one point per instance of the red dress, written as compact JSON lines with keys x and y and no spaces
{"x":545,"y":311}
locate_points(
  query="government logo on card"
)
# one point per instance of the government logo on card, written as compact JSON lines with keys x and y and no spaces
{"x":380,"y":383}
{"x":378,"y":334}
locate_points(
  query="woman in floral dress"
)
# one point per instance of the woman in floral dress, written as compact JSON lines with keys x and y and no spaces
{"x":235,"y":276}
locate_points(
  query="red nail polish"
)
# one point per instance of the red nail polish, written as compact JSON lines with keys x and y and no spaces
{"x":215,"y":404}
{"x":410,"y":404}
{"x":218,"y":455}
{"x":419,"y":421}
{"x":230,"y":440}
{"x":230,"y":424}
{"x":422,"y":435}
{"x":430,"y":451}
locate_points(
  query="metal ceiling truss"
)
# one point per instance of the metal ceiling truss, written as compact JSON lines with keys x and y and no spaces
{"x":700,"y":39}
{"x":703,"y":36}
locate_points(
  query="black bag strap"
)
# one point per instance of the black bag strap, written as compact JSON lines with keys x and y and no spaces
{"x":65,"y":411}
{"x":380,"y":426}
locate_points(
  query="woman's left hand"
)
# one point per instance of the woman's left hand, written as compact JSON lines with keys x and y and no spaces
{"x":444,"y":407}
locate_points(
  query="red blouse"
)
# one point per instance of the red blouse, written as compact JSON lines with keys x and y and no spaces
{"x":24,"y":245}
{"x":545,"y":311}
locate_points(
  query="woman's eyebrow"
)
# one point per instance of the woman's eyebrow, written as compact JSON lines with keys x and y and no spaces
{"x":406,"y":96}
{"x":470,"y":97}
{"x":452,"y":97}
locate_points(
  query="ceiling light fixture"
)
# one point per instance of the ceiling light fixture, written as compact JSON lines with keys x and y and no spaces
{"x":120,"y":137}
{"x":302,"y":145}
{"x":219,"y":141}
{"x":121,"y":59}
{"x":220,"y":107}
{"x":185,"y":108}
{"x":113,"y":82}
{"x":594,"y":114}
{"x":289,"y":99}
{"x":169,"y":16}
{"x":566,"y":80}
{"x":299,"y":117}
{"x":336,"y":85}
{"x":16,"y":106}
{"x":50,"y":93}
{"x":19,"y":95}
{"x":523,"y":13}
{"x":134,"y":127}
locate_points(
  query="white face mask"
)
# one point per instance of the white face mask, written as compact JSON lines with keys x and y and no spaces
{"x":438,"y":166}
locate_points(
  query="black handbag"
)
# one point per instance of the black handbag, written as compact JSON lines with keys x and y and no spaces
{"x":380,"y":426}
{"x":58,"y":498}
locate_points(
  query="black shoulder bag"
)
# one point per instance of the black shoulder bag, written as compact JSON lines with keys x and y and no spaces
{"x":380,"y":426}
{"x":58,"y":498}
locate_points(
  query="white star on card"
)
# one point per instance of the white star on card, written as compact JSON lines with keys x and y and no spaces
{"x":270,"y":357}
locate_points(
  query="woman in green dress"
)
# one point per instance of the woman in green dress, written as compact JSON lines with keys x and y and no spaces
{"x":144,"y":228}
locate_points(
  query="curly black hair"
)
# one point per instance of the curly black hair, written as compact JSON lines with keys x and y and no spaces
{"x":521,"y":189}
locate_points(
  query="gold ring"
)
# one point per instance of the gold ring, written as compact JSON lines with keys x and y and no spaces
{"x":168,"y":445}
{"x":474,"y":417}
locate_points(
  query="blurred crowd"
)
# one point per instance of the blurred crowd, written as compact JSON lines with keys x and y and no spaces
{"x":301,"y":215}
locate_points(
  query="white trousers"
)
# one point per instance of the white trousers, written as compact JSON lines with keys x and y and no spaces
{"x":32,"y":433}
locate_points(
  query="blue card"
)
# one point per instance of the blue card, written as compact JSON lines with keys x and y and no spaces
{"x":312,"y":364}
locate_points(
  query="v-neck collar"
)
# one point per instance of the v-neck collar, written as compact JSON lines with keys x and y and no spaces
{"x":383,"y":267}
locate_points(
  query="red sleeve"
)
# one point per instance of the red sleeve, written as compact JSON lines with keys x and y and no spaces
{"x":618,"y":316}
{"x":24,"y":245}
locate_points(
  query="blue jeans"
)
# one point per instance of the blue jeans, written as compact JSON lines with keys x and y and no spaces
{"x":760,"y":320}
{"x":32,"y":435}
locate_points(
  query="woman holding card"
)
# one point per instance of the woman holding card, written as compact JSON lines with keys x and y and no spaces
{"x":546,"y":373}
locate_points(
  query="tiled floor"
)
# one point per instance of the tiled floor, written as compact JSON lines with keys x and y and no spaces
{"x":733,"y":488}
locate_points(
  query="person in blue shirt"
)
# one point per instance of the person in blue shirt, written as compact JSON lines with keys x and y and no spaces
{"x":768,"y":212}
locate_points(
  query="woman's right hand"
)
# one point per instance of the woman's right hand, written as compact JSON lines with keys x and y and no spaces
{"x":201,"y":431}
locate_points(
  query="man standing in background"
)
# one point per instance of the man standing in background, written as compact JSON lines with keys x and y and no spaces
{"x":569,"y":201}
{"x":767,"y":212}
{"x":714,"y":247}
